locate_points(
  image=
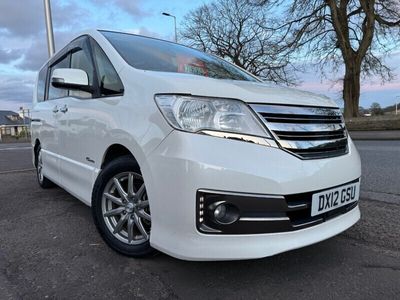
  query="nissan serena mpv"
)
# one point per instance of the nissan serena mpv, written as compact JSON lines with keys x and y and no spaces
{"x":181,"y":151}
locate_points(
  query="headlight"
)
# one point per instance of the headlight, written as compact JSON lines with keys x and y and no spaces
{"x":210,"y":115}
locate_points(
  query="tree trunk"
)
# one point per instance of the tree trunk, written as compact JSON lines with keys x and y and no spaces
{"x":351,"y":89}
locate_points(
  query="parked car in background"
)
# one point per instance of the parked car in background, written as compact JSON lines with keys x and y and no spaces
{"x":183,"y":152}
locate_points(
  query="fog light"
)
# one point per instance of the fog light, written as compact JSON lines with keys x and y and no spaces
{"x":226,"y":213}
{"x":220,"y":212}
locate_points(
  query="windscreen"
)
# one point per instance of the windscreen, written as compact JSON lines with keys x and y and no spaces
{"x":156,"y":55}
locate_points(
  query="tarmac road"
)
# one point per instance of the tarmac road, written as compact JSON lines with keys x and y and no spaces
{"x":15,"y":157}
{"x":49,"y":248}
{"x":381,"y":169}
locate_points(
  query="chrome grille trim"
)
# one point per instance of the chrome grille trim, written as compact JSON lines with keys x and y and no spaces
{"x":306,"y":131}
{"x":307,"y":145}
{"x":296,"y":110}
{"x":296,"y":127}
{"x":301,"y":119}
{"x":316,"y":135}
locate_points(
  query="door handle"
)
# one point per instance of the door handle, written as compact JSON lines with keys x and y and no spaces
{"x":64,"y":109}
{"x":55,"y":109}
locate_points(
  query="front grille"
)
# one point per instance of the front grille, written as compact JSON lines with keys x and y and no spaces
{"x":306,"y":131}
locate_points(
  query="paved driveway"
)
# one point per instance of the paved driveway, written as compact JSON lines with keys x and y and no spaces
{"x":49,"y":248}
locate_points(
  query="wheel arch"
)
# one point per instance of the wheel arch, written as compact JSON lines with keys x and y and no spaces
{"x":118,"y":149}
{"x":114,"y":151}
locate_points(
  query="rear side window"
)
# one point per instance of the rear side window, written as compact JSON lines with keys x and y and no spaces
{"x":41,"y":84}
{"x":54,"y":92}
{"x":109,"y":82}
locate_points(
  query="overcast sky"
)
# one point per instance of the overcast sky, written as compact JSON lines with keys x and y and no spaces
{"x":23,"y":46}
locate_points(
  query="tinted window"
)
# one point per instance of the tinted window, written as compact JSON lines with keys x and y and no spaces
{"x":109,"y":81}
{"x":41,"y":84}
{"x":156,"y":55}
{"x":54,"y":92}
{"x":81,"y":59}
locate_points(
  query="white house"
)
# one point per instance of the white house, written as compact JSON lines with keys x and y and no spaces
{"x":12,"y":124}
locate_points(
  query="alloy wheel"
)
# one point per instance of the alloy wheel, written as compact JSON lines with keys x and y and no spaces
{"x":125,"y":208}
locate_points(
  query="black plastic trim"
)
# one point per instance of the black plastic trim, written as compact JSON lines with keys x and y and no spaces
{"x":260,"y":214}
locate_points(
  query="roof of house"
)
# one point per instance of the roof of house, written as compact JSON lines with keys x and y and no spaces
{"x":8,"y":117}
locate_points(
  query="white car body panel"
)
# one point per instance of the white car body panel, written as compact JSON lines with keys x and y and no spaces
{"x":175,"y":164}
{"x":186,"y":158}
{"x":47,"y":129}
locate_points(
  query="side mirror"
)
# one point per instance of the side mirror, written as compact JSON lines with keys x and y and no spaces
{"x":74,"y":79}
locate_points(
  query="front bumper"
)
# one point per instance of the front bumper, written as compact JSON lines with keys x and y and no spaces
{"x":184,"y":163}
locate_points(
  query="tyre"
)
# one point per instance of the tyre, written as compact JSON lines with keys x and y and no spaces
{"x":121,"y":209}
{"x":42,"y":180}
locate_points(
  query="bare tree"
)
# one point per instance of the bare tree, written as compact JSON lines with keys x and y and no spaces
{"x":376,"y":109}
{"x":355,"y":34}
{"x":235,"y":30}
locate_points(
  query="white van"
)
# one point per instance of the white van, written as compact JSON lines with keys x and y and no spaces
{"x":183,"y":152}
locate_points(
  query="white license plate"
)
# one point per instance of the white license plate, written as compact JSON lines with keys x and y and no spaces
{"x":331,"y":199}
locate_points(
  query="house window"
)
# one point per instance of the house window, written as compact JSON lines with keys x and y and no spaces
{"x":13,"y":117}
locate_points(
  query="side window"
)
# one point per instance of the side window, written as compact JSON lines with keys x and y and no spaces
{"x":81,"y":59}
{"x":41,"y":84}
{"x":109,"y":82}
{"x":54,"y":92}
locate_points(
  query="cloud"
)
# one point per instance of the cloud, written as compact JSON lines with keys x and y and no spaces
{"x":22,"y":28}
{"x":36,"y":54}
{"x":23,"y":44}
{"x":14,"y":105}
{"x":9,"y":55}
{"x":22,"y":18}
{"x":68,"y":19}
{"x":133,"y":8}
{"x":26,"y":18}
{"x":15,"y":89}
